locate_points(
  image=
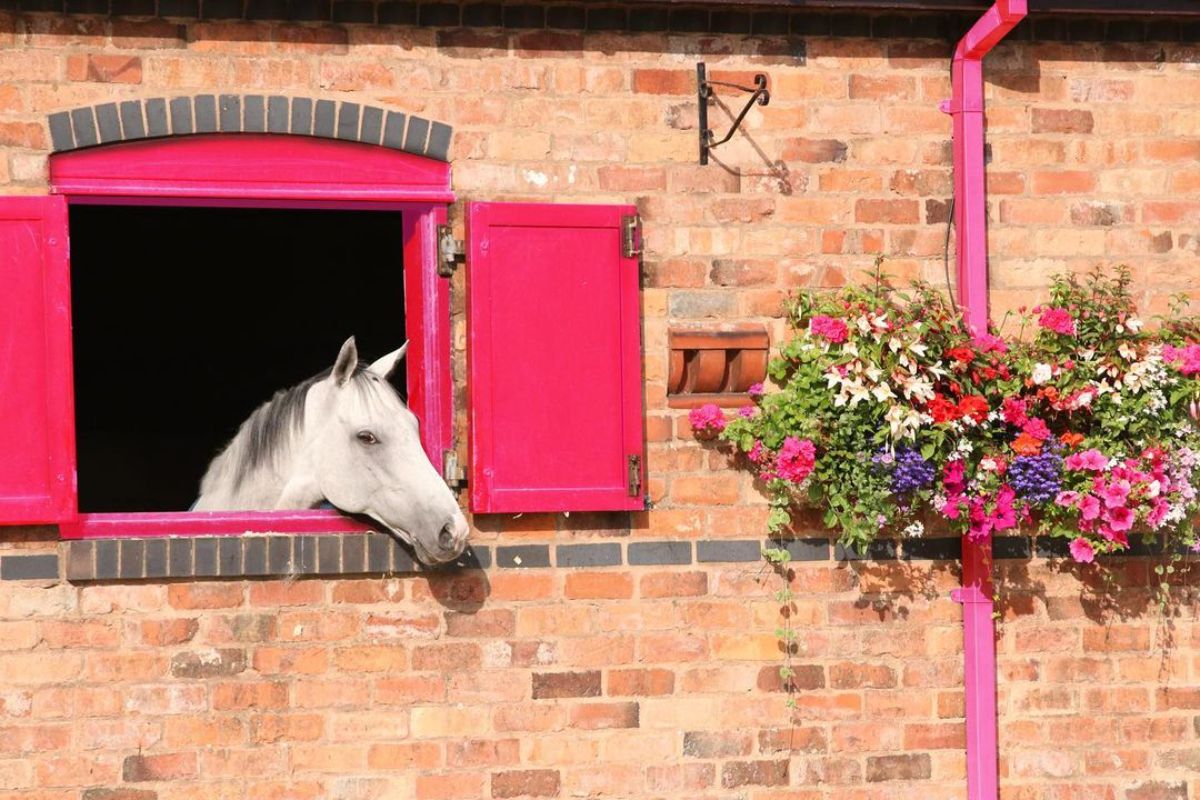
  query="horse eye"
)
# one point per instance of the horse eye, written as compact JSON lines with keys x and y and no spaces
{"x":366,"y":437}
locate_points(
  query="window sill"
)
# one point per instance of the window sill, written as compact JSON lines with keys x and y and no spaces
{"x":207,"y":523}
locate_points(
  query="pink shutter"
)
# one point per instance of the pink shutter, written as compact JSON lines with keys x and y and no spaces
{"x":37,"y":415}
{"x":554,"y":359}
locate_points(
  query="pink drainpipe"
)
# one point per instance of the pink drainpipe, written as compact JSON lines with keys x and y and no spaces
{"x":970,"y":197}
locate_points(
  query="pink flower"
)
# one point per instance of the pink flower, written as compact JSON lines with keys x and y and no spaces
{"x":1036,"y":428}
{"x":1014,"y":411}
{"x":954,"y":478}
{"x":1066,"y":499}
{"x":1058,"y":320}
{"x":1120,"y":518}
{"x":1092,"y":460}
{"x":755,"y":390}
{"x":707,"y":419}
{"x":795,"y":460}
{"x":1082,"y":551}
{"x":1089,"y":507}
{"x":834,"y":330}
{"x":1186,"y":359}
{"x":1158,"y":512}
{"x":1115,"y":494}
{"x":746,"y":412}
{"x":987,"y":343}
{"x":951,"y":509}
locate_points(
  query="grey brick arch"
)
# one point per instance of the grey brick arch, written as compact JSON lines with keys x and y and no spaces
{"x":250,"y":113}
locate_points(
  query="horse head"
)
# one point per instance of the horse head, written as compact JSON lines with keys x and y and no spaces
{"x":365,"y":454}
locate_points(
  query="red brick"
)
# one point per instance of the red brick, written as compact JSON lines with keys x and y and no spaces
{"x":898,"y":768}
{"x":453,"y":786}
{"x":164,"y":633}
{"x":664,"y":81}
{"x":159,"y":767}
{"x":1064,"y":182}
{"x":485,"y":623}
{"x":566,"y":684}
{"x":446,"y":657}
{"x":594,"y":716}
{"x":1062,"y":120}
{"x":205,"y":595}
{"x":887,"y":211}
{"x":814,"y":151}
{"x":526,"y":783}
{"x":681,"y":777}
{"x":621,"y":178}
{"x":483,"y":752}
{"x":405,"y":756}
{"x":640,"y":682}
{"x":674,"y":584}
{"x":598,"y":585}
{"x":105,"y":68}
{"x":27,"y":135}
{"x":754,"y":773}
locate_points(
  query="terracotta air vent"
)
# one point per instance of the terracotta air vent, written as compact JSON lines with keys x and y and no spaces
{"x":716,"y":365}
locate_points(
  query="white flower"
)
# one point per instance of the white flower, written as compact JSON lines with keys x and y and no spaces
{"x":1133,"y":324}
{"x":882,"y":392}
{"x":1127,"y":352}
{"x":988,"y":464}
{"x":916,"y":529}
{"x":918,"y":348}
{"x":1042,"y":373}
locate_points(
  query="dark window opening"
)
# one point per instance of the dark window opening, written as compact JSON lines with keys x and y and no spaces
{"x":187,"y":319}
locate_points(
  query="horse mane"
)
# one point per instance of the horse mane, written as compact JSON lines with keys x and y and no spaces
{"x":264,"y":433}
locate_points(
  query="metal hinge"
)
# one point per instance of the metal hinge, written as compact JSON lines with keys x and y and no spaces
{"x":452,"y":473}
{"x":450,"y":251}
{"x":634,"y":478}
{"x":631,"y":236}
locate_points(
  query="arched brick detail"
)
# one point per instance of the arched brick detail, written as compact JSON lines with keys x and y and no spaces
{"x":251,"y":113}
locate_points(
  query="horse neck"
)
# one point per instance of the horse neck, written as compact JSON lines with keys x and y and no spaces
{"x":258,"y":487}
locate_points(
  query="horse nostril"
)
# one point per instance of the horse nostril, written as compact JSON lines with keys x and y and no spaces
{"x":446,"y":537}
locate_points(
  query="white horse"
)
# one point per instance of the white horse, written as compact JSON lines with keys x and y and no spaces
{"x":346,"y":437}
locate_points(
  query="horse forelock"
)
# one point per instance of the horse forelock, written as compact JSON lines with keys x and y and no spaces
{"x":265,"y":434}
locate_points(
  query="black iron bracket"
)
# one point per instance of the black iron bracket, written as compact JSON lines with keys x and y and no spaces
{"x":704,"y":91}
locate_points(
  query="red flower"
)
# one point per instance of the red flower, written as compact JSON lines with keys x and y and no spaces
{"x":973,"y":406}
{"x":963,"y":355}
{"x":942,"y":410}
{"x":1071,"y":439}
{"x":1026,"y":445}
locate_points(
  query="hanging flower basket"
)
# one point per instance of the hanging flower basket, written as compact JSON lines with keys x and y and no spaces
{"x":1076,"y":422}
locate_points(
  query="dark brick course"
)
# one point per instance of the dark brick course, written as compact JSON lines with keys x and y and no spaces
{"x":232,"y":113}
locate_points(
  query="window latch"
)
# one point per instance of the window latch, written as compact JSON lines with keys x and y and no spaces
{"x":631,"y":236}
{"x":450,"y":251}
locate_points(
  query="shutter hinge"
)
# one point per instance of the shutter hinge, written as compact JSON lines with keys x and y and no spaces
{"x":634,"y":478}
{"x":452,"y":473}
{"x":450,"y":251}
{"x":631,"y":236}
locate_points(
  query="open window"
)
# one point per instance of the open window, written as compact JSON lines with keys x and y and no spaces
{"x":187,"y":253}
{"x":211,"y":270}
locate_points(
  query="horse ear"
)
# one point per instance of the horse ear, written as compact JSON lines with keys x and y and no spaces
{"x":346,"y":362}
{"x":387,"y":365}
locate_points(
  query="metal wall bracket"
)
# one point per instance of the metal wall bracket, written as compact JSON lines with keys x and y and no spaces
{"x":704,"y":91}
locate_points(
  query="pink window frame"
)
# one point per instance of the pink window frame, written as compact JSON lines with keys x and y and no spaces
{"x":279,"y":171}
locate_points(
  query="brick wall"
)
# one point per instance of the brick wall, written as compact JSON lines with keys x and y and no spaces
{"x":626,"y":678}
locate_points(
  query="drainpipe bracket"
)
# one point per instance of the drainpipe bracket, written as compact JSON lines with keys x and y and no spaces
{"x":970,"y":596}
{"x":961,"y":106}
